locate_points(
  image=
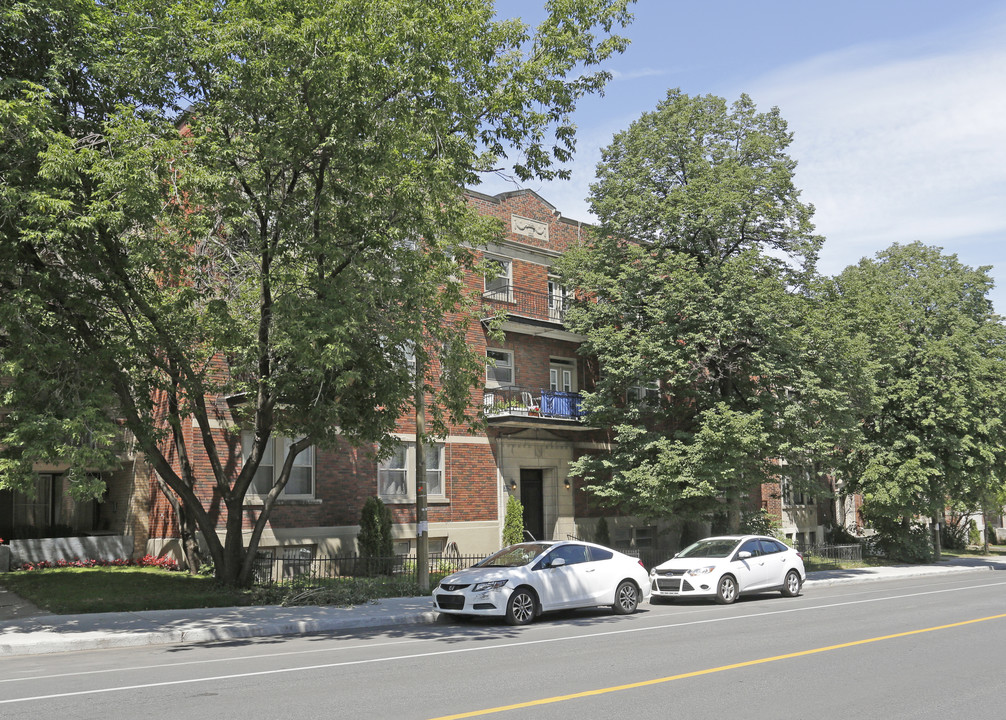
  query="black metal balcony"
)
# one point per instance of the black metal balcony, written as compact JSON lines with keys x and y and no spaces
{"x":521,"y":402}
{"x":522,"y":303}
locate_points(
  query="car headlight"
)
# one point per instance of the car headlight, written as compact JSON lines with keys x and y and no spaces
{"x":491,"y":585}
{"x":702,"y":570}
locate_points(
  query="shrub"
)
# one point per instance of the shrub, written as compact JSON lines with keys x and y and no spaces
{"x":513,"y":522}
{"x":601,"y":534}
{"x":902,"y":542}
{"x":376,"y":546}
{"x":165,"y":563}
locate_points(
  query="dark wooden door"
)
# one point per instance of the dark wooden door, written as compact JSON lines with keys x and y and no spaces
{"x":531,"y":498}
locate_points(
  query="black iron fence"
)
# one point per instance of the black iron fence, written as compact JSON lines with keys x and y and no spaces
{"x":303,"y":568}
{"x":520,"y":302}
{"x":842,"y":553}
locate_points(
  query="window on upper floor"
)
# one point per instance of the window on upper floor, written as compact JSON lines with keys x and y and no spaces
{"x":301,"y":482}
{"x":499,"y":368}
{"x":645,"y":393}
{"x":396,"y":475}
{"x":792,"y":498}
{"x":558,"y":298}
{"x":499,"y":279}
{"x":562,"y":375}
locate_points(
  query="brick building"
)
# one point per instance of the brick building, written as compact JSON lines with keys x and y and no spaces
{"x":531,"y":398}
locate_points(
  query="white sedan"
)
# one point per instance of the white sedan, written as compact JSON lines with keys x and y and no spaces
{"x":522,"y":581}
{"x":729,"y":566}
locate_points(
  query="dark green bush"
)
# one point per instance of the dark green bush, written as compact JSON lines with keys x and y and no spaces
{"x":377,"y":548}
{"x":601,"y":535}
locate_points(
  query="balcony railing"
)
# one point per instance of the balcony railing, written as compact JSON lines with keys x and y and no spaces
{"x":520,"y":302}
{"x":556,"y":404}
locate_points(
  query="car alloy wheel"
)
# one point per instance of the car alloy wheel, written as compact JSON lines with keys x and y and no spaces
{"x":791,"y":587}
{"x":726,"y":590}
{"x":626,"y":598}
{"x":520,"y":607}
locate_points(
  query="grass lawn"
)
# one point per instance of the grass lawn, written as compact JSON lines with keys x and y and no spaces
{"x":66,"y":591}
{"x":118,"y":589}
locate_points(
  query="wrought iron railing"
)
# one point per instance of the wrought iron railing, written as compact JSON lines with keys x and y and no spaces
{"x":311,"y":570}
{"x":847,"y":553}
{"x":532,"y":402}
{"x":526,"y":303}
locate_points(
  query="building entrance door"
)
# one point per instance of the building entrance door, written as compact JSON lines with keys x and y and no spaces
{"x":532,"y":498}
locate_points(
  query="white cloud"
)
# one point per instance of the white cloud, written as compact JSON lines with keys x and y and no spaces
{"x":898,"y":143}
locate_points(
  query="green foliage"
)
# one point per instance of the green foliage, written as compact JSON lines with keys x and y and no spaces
{"x":933,"y":435}
{"x":901,"y":540}
{"x":601,"y":535}
{"x":513,"y":522}
{"x":686,"y":290}
{"x":374,"y":539}
{"x":759,"y":522}
{"x":303,"y":232}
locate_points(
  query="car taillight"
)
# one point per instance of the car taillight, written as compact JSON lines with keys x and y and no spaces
{"x":800,"y":555}
{"x":641,"y":565}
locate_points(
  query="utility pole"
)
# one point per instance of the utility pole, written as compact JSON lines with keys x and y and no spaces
{"x":422,"y":523}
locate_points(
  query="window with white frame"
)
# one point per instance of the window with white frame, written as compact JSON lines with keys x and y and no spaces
{"x":499,"y":279}
{"x":501,"y":370}
{"x":396,"y":475}
{"x":562,"y":375}
{"x":301,"y":482}
{"x":558,"y":298}
{"x":648,"y":392}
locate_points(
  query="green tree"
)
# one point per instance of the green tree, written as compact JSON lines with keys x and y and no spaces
{"x":694,"y":296}
{"x":934,"y":437}
{"x":287,"y":251}
{"x":374,"y":540}
{"x":513,"y":522}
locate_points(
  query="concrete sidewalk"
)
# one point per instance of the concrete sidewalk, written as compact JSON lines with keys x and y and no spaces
{"x":26,"y":630}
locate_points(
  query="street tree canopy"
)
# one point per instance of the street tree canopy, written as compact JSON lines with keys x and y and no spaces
{"x":934,"y":436}
{"x":715,"y":364}
{"x":257,"y":200}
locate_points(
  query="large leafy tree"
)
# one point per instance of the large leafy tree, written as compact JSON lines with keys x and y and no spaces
{"x":715,"y":363}
{"x":934,"y":437}
{"x":256,"y":200}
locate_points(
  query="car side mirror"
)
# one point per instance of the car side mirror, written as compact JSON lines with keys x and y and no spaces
{"x":557,"y":562}
{"x":743,"y":555}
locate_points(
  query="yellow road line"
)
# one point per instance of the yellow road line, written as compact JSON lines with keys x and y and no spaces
{"x":708,"y":671}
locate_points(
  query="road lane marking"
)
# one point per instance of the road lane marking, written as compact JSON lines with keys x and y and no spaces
{"x":500,"y":646}
{"x":707,"y":671}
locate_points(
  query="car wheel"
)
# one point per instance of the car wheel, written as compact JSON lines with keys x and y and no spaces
{"x":726,"y":590}
{"x":626,"y":598}
{"x":520,"y":608}
{"x":791,"y":586}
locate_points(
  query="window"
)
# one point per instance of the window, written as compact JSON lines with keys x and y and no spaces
{"x":558,"y":298}
{"x":503,"y":372}
{"x":396,"y":475}
{"x":301,"y":482}
{"x":499,"y":279}
{"x":789,"y":497}
{"x":561,"y":375}
{"x":649,"y":392}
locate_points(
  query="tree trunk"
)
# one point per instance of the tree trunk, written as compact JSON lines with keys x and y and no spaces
{"x":937,"y":549}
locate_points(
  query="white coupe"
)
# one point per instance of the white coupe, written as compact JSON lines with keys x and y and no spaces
{"x":522,"y":581}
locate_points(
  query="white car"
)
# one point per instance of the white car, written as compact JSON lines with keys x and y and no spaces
{"x":522,"y":581}
{"x":727,"y":567}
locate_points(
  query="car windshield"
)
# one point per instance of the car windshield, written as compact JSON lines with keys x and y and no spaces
{"x":710,"y":548}
{"x":515,"y":555}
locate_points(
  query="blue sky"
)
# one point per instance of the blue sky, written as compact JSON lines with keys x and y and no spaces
{"x":898,"y":109}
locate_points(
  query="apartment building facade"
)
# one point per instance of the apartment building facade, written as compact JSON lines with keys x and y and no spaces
{"x":531,"y":398}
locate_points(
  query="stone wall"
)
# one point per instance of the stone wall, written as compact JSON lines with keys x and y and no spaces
{"x":101,"y":547}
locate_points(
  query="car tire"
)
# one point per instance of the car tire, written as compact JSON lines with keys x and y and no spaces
{"x":726,"y":590}
{"x":626,"y":598}
{"x":521,"y":607}
{"x":792,"y":584}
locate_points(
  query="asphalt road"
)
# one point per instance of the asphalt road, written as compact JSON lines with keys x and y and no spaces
{"x":920,"y":648}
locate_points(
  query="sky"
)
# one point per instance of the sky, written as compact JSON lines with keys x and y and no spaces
{"x":898,"y":110}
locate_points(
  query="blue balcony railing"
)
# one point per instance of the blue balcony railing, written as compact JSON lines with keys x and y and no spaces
{"x":530,"y":402}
